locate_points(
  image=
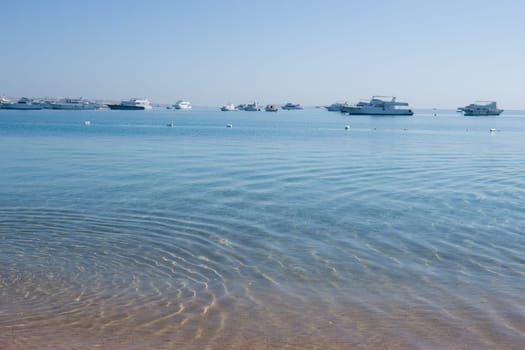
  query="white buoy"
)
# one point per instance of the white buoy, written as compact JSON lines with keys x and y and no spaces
{"x":87,"y":122}
{"x":347,"y":127}
{"x":229,"y":125}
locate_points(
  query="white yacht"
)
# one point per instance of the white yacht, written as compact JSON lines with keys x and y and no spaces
{"x":133,"y":104}
{"x":271,"y":108}
{"x":252,"y":107}
{"x":23,"y":103}
{"x":45,"y":103}
{"x":336,"y":106}
{"x":73,"y":104}
{"x":181,"y":104}
{"x":378,"y":105}
{"x":292,"y":106}
{"x":481,"y":108}
{"x":229,"y":107}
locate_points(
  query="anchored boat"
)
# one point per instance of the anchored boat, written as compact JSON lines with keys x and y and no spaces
{"x":379,"y":105}
{"x":133,"y":104}
{"x":481,"y":108}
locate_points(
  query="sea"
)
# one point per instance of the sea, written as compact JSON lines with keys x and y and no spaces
{"x":307,"y":229}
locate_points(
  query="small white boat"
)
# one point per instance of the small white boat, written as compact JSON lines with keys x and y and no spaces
{"x":22,"y":104}
{"x":271,"y":108}
{"x":229,"y":108}
{"x":481,"y":108}
{"x":181,"y":104}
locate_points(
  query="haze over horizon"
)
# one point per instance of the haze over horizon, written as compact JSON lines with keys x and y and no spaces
{"x":440,"y":55}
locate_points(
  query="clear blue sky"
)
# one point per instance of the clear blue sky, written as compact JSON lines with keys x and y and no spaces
{"x":429,"y":53}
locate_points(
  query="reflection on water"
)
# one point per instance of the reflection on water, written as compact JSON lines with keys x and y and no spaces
{"x":266,"y":235}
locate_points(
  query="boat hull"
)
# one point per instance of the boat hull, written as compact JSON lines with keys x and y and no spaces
{"x":481,"y":114}
{"x":73,"y":107}
{"x":129,"y":108}
{"x":20,"y":106}
{"x":375,"y":111}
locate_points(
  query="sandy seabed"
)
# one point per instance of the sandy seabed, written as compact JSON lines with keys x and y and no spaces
{"x":261,"y":327}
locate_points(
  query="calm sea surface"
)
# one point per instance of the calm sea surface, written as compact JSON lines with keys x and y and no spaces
{"x":285,"y":231}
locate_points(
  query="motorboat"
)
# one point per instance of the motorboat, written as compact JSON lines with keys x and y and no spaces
{"x":45,"y":103}
{"x":229,"y":108}
{"x":22,"y":104}
{"x":181,"y":104}
{"x":336,"y":106}
{"x":101,"y":106}
{"x":271,"y":108}
{"x":378,"y":105}
{"x":481,"y":108}
{"x":292,"y":106}
{"x":73,"y":104}
{"x":252,"y":107}
{"x":132,"y":104}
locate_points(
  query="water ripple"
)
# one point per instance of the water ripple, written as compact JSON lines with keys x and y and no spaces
{"x":293,"y":235}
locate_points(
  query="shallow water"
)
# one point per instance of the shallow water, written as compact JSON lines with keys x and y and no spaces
{"x":284,"y":231}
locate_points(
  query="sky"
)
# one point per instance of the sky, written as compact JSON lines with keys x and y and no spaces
{"x":432,"y":54}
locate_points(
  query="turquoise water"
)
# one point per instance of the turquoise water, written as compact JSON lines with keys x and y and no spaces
{"x":284,"y":231}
